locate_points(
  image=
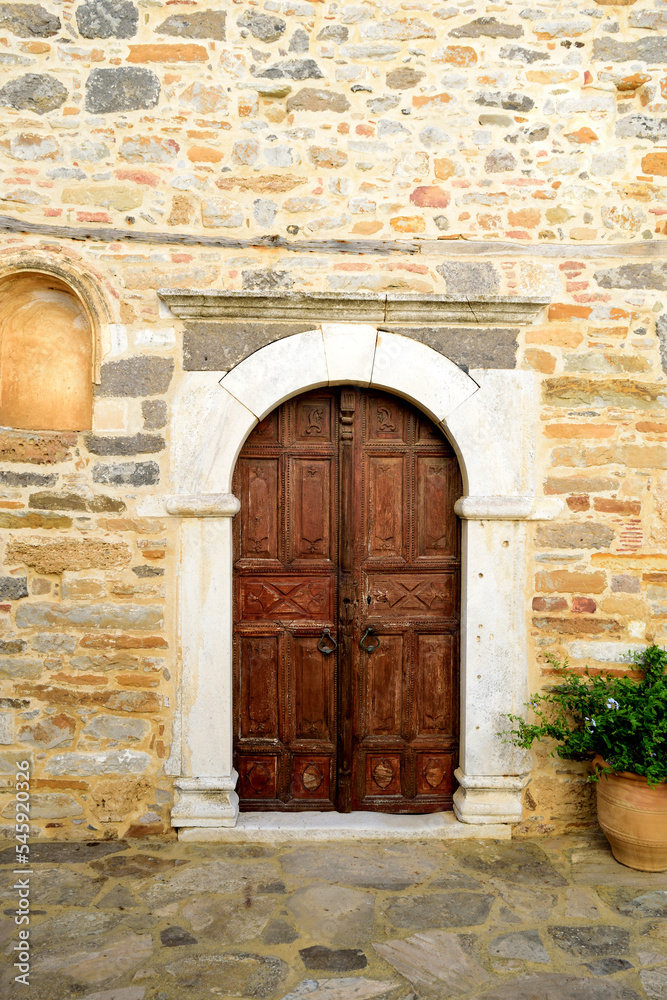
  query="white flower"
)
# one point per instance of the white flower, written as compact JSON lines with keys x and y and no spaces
{"x":612,"y":703}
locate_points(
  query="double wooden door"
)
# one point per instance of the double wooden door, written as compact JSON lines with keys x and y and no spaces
{"x":347,"y":581}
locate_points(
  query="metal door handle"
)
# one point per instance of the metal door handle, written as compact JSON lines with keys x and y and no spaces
{"x":369,"y":633}
{"x":322,"y":644}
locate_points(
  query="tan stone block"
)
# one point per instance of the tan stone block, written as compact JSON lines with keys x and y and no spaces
{"x":443,"y":168}
{"x":577,"y":626}
{"x":115,"y":799}
{"x":631,"y":607}
{"x":651,"y":427}
{"x":408,"y":224}
{"x":138,"y":681}
{"x":111,"y":415}
{"x":36,"y":447}
{"x":608,"y":506}
{"x":204,"y":154}
{"x":110,"y":641}
{"x":579,"y":431}
{"x":46,"y":556}
{"x":655,"y":163}
{"x":570,"y":582}
{"x":33,"y":520}
{"x":178,"y":52}
{"x":564,"y":311}
{"x":76,"y":588}
{"x":540,"y":361}
{"x":554,"y":335}
{"x":121,"y":197}
{"x":456,"y":55}
{"x":327,"y":157}
{"x":578,"y":503}
{"x":551,"y":76}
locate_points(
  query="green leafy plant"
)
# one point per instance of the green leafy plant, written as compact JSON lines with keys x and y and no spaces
{"x":622,"y":719}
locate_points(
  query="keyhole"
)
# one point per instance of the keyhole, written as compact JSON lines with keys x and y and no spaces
{"x":368,"y":599}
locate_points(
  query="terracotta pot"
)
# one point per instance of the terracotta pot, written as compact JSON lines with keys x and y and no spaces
{"x":633,"y":818}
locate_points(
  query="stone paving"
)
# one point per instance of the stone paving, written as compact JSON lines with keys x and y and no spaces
{"x":554,"y":919}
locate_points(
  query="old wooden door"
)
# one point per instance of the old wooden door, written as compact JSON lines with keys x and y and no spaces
{"x":347,"y":581}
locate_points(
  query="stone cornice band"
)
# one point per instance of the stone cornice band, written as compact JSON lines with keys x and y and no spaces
{"x":320,"y":307}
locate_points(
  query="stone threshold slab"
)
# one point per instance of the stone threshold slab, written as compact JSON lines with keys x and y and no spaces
{"x":276,"y":828}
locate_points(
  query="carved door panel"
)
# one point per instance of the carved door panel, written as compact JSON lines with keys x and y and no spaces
{"x":346,"y":524}
{"x":286,"y":552}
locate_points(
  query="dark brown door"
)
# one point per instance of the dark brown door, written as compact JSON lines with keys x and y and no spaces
{"x":347,"y":578}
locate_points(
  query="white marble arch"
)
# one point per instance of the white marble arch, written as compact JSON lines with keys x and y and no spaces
{"x":490,"y":418}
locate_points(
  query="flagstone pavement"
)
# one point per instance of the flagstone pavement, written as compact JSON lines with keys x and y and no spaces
{"x":545,"y":919}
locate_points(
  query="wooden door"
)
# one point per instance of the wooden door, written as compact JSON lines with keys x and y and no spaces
{"x":346,"y":538}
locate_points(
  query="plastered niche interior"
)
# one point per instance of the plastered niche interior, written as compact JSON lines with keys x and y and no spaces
{"x":46,"y":355}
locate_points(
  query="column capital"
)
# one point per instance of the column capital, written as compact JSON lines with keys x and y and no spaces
{"x":507,"y":508}
{"x":202,"y":504}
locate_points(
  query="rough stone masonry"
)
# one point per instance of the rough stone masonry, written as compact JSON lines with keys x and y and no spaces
{"x":419,"y":147}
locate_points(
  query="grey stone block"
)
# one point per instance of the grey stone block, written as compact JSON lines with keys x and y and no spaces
{"x":487,"y":27}
{"x":200,"y":24}
{"x":291,"y":69}
{"x":26,"y":479}
{"x":13,"y":645}
{"x":38,"y":92}
{"x":141,"y":376}
{"x":13,"y":588}
{"x":661,"y":331}
{"x":209,"y":346}
{"x":143,"y":572}
{"x":108,"y":762}
{"x":634,"y":276}
{"x":265,"y":280}
{"x":127,"y":88}
{"x":650,"y":50}
{"x":265,"y":27}
{"x":154,"y":412}
{"x":121,"y":616}
{"x":469,"y":279}
{"x":6,"y":728}
{"x":20,"y":668}
{"x":333,"y":33}
{"x":574,"y":536}
{"x":107,"y":19}
{"x":127,"y":473}
{"x":469,"y":347}
{"x":115,"y":727}
{"x":138,"y":444}
{"x":642,"y":127}
{"x":28,"y":20}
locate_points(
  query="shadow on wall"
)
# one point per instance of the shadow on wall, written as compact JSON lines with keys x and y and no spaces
{"x":46,"y":355}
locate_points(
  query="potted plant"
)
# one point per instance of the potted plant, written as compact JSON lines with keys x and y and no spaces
{"x":620,"y":723}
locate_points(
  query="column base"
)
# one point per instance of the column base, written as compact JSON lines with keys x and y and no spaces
{"x":489,"y":798}
{"x":206,"y":802}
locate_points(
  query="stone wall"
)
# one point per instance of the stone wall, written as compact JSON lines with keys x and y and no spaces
{"x":366,"y":147}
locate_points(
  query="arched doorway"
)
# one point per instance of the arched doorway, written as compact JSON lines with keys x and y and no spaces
{"x":346,"y":607}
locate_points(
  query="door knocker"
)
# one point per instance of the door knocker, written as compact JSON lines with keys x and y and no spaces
{"x":322,"y":644}
{"x":369,"y":634}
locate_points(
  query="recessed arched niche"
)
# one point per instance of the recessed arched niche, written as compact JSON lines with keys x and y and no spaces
{"x":46,"y":355}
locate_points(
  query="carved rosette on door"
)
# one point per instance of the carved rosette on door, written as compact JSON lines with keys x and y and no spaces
{"x":347,"y":583}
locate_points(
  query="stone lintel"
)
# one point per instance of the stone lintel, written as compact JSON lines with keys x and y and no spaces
{"x":524,"y":508}
{"x":320,"y":307}
{"x":203,"y":505}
